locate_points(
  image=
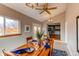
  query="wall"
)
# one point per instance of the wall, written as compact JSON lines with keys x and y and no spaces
{"x":57,"y":19}
{"x":12,"y":42}
{"x":71,"y":13}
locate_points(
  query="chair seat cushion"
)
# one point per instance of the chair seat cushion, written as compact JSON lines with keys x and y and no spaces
{"x":34,"y":41}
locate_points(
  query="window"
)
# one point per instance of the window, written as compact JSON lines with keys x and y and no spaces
{"x":39,"y":28}
{"x":36,"y":27}
{"x":1,"y":26}
{"x":9,"y":26}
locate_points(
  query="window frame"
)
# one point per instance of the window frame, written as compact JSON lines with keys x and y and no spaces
{"x":4,"y":35}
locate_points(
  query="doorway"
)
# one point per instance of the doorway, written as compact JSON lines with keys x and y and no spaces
{"x":54,"y":30}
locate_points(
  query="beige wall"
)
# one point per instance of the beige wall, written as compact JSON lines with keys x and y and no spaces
{"x":71,"y":13}
{"x":10,"y":43}
{"x":57,"y":19}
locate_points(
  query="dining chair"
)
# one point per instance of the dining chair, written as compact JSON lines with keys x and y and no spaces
{"x":29,"y":39}
{"x":5,"y":53}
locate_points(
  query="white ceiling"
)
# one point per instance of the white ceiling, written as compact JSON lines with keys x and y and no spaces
{"x":22,"y":8}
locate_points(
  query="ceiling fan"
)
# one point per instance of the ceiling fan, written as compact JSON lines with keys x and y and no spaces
{"x":45,"y":8}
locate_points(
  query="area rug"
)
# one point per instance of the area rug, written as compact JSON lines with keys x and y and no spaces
{"x":57,"y":52}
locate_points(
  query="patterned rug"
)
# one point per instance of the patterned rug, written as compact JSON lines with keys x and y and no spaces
{"x":57,"y":52}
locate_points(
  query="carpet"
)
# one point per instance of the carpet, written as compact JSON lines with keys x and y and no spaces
{"x":57,"y":52}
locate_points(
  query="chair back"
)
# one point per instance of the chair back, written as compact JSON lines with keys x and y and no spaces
{"x":29,"y":39}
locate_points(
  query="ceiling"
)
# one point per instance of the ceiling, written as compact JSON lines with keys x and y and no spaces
{"x":22,"y":8}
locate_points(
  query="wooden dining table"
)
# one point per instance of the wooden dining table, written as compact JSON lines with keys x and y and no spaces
{"x":41,"y":51}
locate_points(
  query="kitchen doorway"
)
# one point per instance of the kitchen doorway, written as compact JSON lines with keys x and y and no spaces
{"x":54,"y":30}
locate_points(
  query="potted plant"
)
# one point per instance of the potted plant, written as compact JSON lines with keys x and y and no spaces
{"x":39,"y":35}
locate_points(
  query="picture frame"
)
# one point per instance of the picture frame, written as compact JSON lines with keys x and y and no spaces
{"x":27,"y":28}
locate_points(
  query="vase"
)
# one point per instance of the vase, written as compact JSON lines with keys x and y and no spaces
{"x":39,"y":42}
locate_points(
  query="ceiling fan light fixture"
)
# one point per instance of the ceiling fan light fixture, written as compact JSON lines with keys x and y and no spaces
{"x":50,"y":20}
{"x":32,"y":5}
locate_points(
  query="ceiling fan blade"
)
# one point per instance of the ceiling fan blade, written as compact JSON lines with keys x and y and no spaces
{"x":27,"y":4}
{"x":39,"y":8}
{"x":52,"y":8}
{"x":41,"y":12}
{"x":30,"y":5}
{"x":48,"y":12}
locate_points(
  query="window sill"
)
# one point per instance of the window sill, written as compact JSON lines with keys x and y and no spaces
{"x":9,"y":35}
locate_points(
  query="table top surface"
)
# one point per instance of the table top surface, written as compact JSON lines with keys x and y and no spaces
{"x":41,"y":50}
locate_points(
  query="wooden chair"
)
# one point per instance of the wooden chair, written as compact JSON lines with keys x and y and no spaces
{"x":54,"y":36}
{"x":29,"y":39}
{"x":47,"y":52}
{"x":5,"y":53}
{"x":51,"y":45}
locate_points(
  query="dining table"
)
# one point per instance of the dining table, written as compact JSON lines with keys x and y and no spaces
{"x":40,"y":51}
